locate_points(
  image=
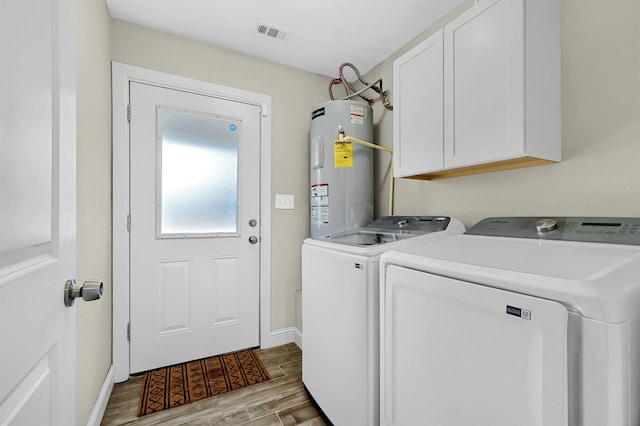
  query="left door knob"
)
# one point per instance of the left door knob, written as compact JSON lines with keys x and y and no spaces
{"x":89,"y":290}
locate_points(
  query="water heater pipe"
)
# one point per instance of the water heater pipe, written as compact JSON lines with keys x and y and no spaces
{"x":344,"y":138}
{"x":377,"y":87}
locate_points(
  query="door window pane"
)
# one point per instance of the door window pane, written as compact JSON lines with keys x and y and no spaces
{"x":198,"y":174}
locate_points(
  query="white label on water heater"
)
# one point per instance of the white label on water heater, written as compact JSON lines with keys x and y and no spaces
{"x":320,"y":203}
{"x":357,"y":114}
{"x":320,"y":194}
{"x":320,"y":214}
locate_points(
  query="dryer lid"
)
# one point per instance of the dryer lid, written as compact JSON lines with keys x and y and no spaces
{"x":597,"y":280}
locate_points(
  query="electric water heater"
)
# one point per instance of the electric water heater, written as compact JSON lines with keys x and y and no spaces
{"x":341,"y":171}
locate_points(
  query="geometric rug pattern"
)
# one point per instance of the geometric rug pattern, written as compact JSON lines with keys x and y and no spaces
{"x":180,"y":384}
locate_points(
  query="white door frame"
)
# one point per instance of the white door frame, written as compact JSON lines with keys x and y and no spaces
{"x":122,"y":74}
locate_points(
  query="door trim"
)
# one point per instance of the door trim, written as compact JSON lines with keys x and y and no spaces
{"x":122,"y":75}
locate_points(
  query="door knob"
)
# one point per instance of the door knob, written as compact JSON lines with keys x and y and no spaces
{"x":89,"y":290}
{"x":253,"y":239}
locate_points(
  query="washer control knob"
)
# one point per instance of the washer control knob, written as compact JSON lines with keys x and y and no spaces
{"x":402,"y":222}
{"x":546,"y":225}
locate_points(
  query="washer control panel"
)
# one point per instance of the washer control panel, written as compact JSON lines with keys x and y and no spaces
{"x":610,"y":230}
{"x":408,"y":224}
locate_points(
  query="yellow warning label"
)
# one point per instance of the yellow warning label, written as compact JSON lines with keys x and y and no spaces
{"x":343,"y":154}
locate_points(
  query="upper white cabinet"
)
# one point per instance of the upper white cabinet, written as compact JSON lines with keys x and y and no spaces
{"x":499,"y":91}
{"x":417,"y":112}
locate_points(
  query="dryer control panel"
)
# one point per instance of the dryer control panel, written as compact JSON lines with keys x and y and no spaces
{"x":609,"y":230}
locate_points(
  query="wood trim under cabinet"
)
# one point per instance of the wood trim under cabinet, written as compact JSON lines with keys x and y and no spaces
{"x":515,"y":163}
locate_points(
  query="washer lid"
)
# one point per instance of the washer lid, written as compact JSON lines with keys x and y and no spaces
{"x":389,"y":232}
{"x":599,"y":281}
{"x":388,"y":229}
{"x":365,"y":239}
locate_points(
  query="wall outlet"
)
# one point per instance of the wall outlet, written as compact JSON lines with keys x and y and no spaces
{"x":285,"y":201}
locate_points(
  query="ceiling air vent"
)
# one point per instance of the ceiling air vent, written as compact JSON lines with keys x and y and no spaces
{"x":273,"y":32}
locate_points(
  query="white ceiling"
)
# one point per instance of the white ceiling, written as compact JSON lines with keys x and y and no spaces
{"x":322,"y":34}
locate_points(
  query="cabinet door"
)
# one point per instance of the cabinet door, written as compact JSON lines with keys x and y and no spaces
{"x":417,"y":111}
{"x":484,"y":84}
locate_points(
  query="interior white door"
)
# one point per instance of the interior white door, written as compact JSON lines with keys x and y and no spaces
{"x":37,"y":212}
{"x":457,"y":353}
{"x":195,"y":226}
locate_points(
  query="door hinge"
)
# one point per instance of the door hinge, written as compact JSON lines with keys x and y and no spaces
{"x":129,"y":113}
{"x":129,"y":222}
{"x":128,"y":331}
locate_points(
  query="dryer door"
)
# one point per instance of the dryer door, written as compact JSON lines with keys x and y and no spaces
{"x":456,"y":353}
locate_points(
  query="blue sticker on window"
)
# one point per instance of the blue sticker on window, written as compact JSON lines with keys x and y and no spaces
{"x":233,"y":127}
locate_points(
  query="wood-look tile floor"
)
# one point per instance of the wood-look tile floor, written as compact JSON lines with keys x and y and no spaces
{"x":281,"y":401}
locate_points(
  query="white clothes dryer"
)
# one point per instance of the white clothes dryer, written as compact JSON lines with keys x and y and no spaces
{"x":340,"y":312}
{"x":519,"y":321}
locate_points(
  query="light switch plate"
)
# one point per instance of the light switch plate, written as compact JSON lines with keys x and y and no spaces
{"x":285,"y":201}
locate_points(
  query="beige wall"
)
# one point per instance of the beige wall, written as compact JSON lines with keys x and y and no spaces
{"x":93,"y":198}
{"x":599,"y":174}
{"x":600,"y":169}
{"x":293,"y":94}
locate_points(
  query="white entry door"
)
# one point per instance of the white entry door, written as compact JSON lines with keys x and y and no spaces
{"x":37,"y":212}
{"x":195,"y":226}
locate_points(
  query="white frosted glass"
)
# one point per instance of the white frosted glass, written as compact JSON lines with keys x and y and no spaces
{"x":198,"y":174}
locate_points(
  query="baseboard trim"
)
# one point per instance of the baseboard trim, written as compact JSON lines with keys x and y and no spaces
{"x":282,"y":337}
{"x":297,"y":337}
{"x":103,"y":399}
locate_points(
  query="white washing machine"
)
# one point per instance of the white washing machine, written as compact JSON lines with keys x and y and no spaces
{"x":340,"y":312}
{"x":519,"y":321}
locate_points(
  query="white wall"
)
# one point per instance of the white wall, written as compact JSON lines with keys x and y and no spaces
{"x":600,"y":170}
{"x":93,"y":198}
